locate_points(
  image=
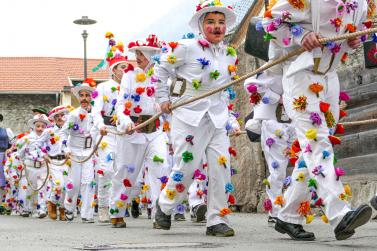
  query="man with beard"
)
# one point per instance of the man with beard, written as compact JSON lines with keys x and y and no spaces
{"x":54,"y":141}
{"x":105,"y":100}
{"x":80,"y":178}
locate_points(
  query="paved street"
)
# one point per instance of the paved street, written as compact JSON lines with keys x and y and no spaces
{"x":252,"y":233}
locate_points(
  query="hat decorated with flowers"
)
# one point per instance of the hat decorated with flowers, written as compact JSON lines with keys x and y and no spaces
{"x":151,"y":44}
{"x":114,"y":54}
{"x":89,"y":85}
{"x":208,"y":6}
{"x":38,"y":118}
{"x":57,"y":110}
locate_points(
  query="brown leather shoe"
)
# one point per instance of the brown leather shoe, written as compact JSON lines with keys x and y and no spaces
{"x":118,"y":223}
{"x":62,"y":214}
{"x":51,"y":208}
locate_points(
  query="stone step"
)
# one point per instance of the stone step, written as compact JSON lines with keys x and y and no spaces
{"x":362,"y":95}
{"x":357,"y":144}
{"x":359,"y":165}
{"x":354,"y":77}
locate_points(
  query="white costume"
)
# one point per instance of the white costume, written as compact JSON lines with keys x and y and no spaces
{"x":311,"y":86}
{"x":203,"y":66}
{"x":134,"y":152}
{"x":30,"y":150}
{"x":55,"y":142}
{"x":103,"y":109}
{"x":80,"y":176}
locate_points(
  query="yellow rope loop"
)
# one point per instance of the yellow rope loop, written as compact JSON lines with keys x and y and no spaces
{"x":253,"y":73}
{"x":44,"y":182}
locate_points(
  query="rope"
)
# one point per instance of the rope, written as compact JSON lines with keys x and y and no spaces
{"x":77,"y":160}
{"x":244,"y":77}
{"x":221,"y":88}
{"x":44,"y":182}
{"x":345,"y":124}
{"x":359,"y":123}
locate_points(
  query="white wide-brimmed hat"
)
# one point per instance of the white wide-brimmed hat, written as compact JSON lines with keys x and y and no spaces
{"x":57,"y":110}
{"x":151,"y":44}
{"x":88,"y":85}
{"x":38,"y":118}
{"x":212,"y":6}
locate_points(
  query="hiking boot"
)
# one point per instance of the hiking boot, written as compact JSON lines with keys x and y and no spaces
{"x":351,"y":221}
{"x":135,"y":212}
{"x":295,"y":231}
{"x":162,"y":220}
{"x":220,"y":230}
{"x":118,"y":223}
{"x":199,"y":213}
{"x":179,"y":217}
{"x":51,"y":209}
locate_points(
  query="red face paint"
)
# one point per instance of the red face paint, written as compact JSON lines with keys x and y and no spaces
{"x":209,"y":29}
{"x":223,"y":29}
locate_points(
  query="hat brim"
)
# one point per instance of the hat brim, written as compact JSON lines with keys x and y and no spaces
{"x":31,"y":122}
{"x":230,"y":16}
{"x":144,"y":48}
{"x":52,"y":115}
{"x":40,"y":111}
{"x":77,"y":89}
{"x":265,"y":111}
{"x":115,"y":64}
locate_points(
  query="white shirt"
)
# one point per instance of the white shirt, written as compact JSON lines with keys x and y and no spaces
{"x":303,"y":18}
{"x":30,"y":148}
{"x":105,"y":100}
{"x":77,"y":127}
{"x":55,"y":141}
{"x":187,"y":66}
{"x":137,"y":97}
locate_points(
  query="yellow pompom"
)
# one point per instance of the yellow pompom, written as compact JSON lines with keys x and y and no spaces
{"x":57,"y":182}
{"x":141,"y":77}
{"x":172,"y":59}
{"x":170,"y":194}
{"x":347,"y":190}
{"x":105,"y":99}
{"x":104,"y":144}
{"x":300,"y":177}
{"x":324,"y":218}
{"x":93,"y":204}
{"x":309,"y":218}
{"x":120,"y":204}
{"x":311,"y":134}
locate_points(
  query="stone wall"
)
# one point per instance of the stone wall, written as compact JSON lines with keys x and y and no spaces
{"x":16,"y":108}
{"x":249,"y":162}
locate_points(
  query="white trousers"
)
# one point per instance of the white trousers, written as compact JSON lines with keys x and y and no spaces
{"x":105,"y":169}
{"x":214,"y":144}
{"x":131,"y":159}
{"x":57,"y":182}
{"x":277,"y":161}
{"x":328,"y":187}
{"x":27,"y":196}
{"x":80,"y":181}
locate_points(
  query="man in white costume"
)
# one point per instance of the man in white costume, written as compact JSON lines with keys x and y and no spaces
{"x":104,"y":114}
{"x":79,"y":145}
{"x":143,"y":149}
{"x":307,"y":81}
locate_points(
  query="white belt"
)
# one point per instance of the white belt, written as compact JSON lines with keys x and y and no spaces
{"x":35,"y":164}
{"x":81,"y":142}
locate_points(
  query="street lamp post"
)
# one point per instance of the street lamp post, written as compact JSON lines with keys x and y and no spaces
{"x":85,"y":21}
